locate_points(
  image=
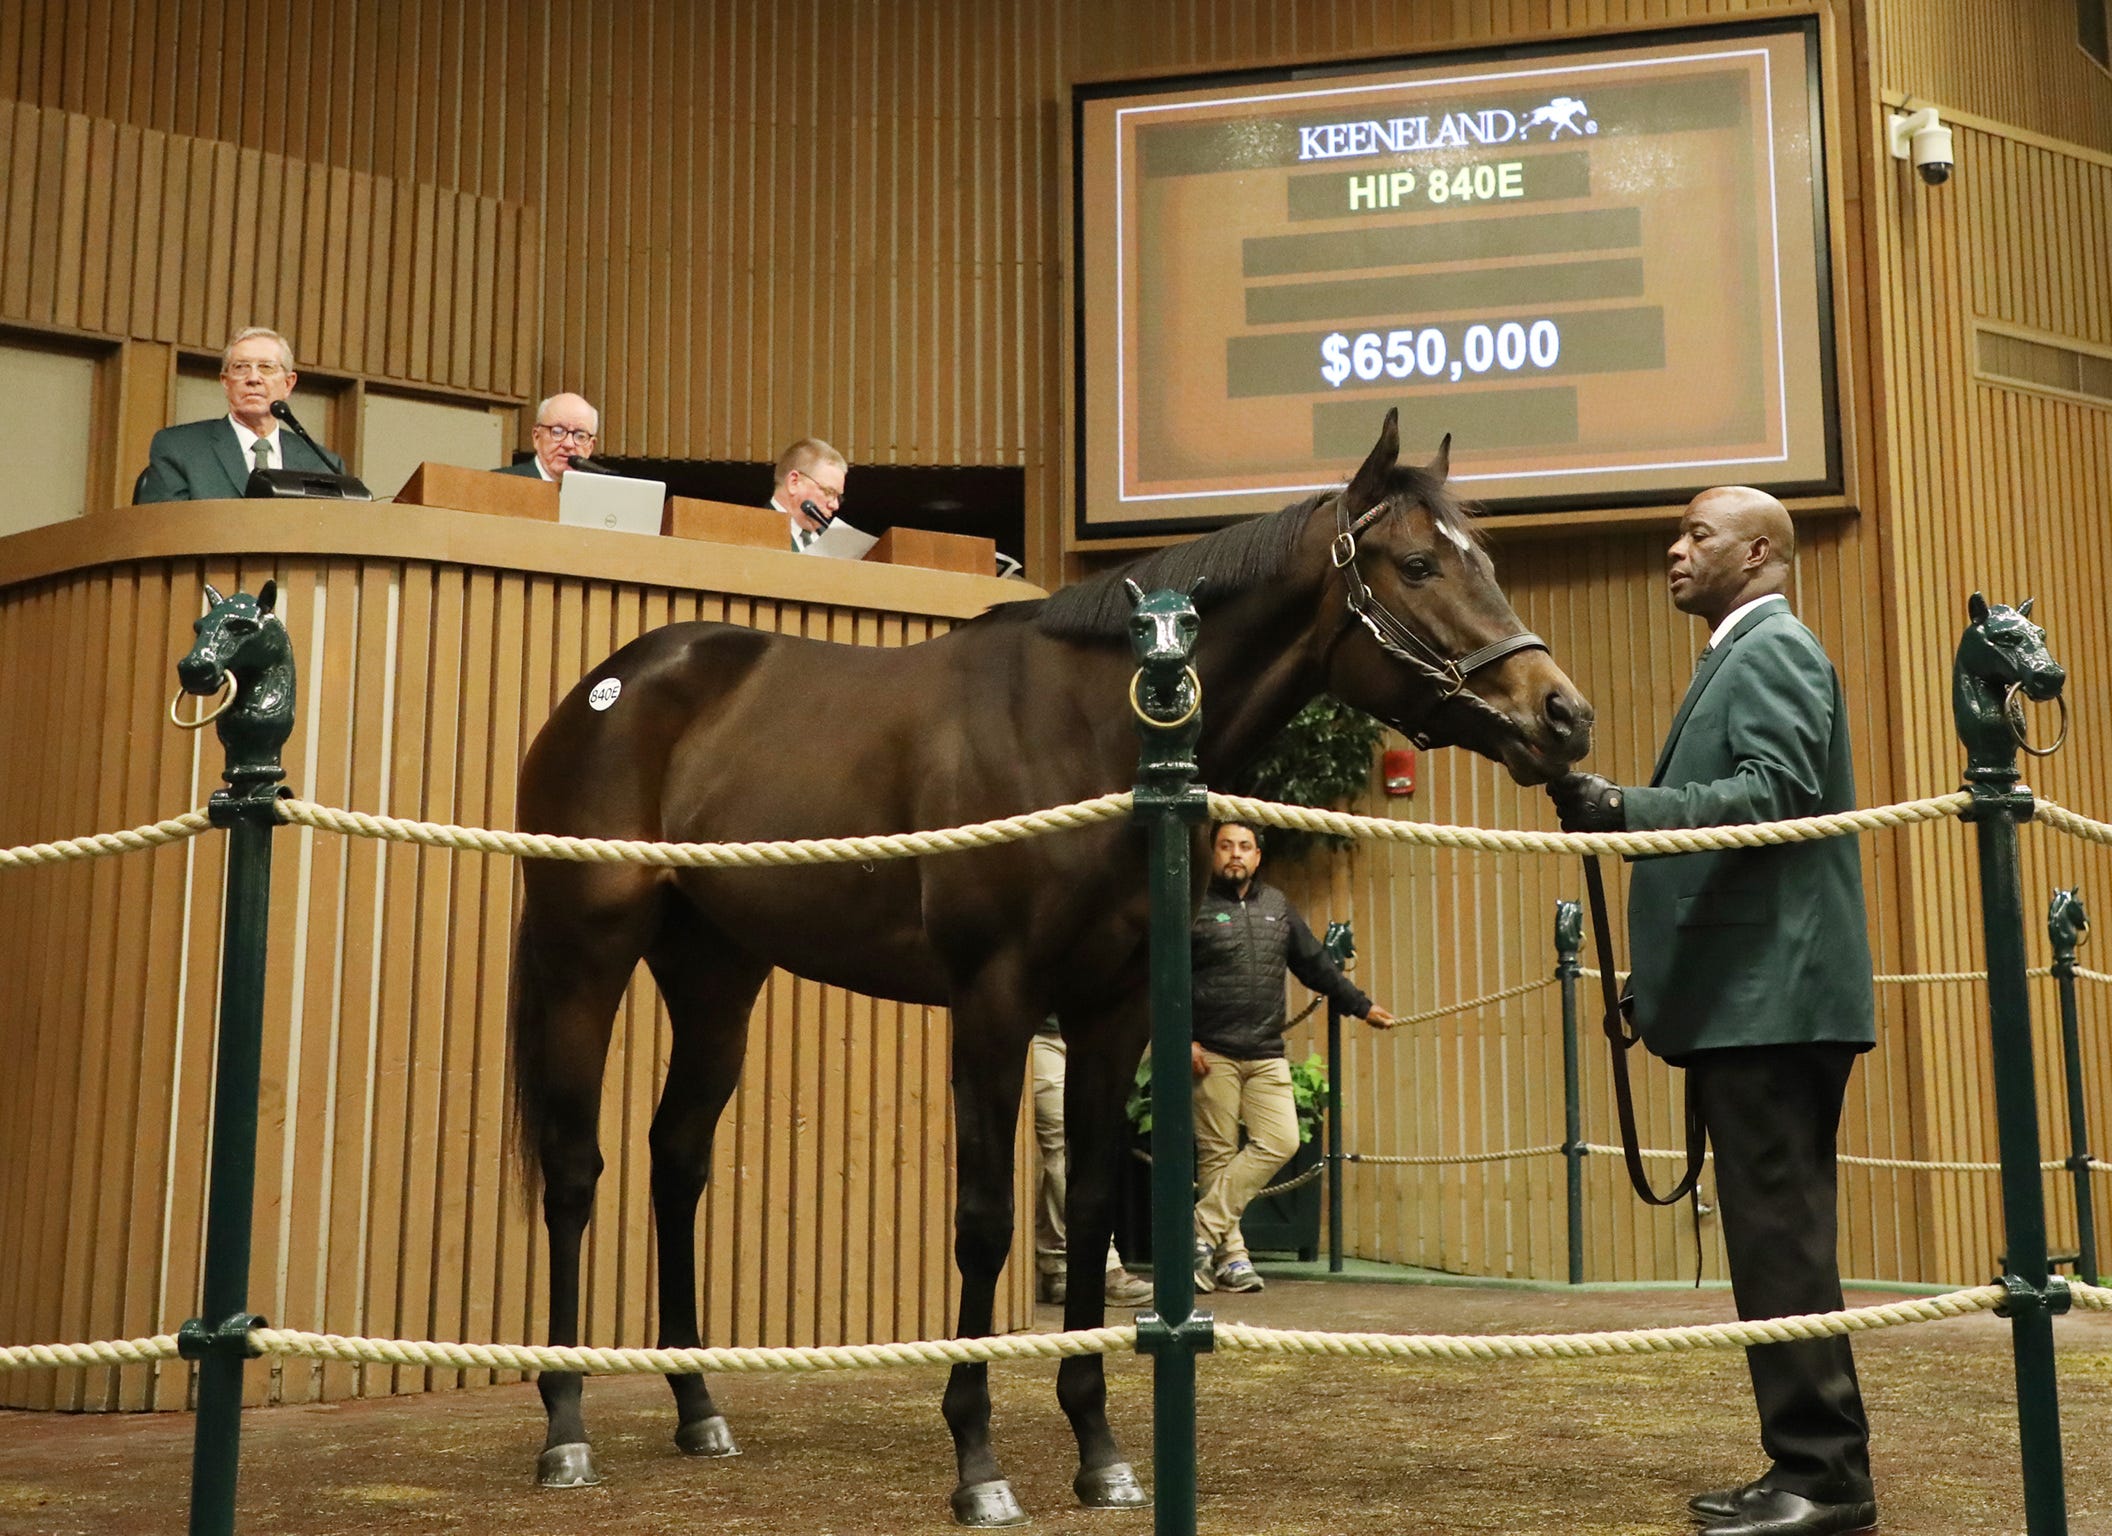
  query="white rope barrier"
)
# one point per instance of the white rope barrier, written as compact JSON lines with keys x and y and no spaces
{"x":1468,"y":1005}
{"x":1765,"y":834}
{"x":1434,"y":1160}
{"x":103,"y":844}
{"x":1230,"y":1338}
{"x":813,"y":850}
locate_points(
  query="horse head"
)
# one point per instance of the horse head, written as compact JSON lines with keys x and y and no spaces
{"x":242,"y":645}
{"x":2002,"y":654}
{"x":1431,"y":646}
{"x":2067,"y":924}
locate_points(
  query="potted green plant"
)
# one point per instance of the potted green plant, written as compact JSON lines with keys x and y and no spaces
{"x":1280,"y":1223}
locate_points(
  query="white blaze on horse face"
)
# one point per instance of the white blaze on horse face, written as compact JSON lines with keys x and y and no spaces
{"x":1459,"y":540}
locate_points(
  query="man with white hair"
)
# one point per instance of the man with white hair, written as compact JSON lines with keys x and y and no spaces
{"x":213,"y":460}
{"x":565,"y":429}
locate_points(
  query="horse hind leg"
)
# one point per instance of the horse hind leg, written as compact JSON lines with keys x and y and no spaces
{"x":989,"y":1066}
{"x":710,"y":990}
{"x":573,"y":957}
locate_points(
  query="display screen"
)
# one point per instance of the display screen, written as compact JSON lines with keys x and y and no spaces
{"x":1602,"y":268}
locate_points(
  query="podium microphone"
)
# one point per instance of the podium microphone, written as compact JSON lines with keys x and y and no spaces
{"x":589,"y":466}
{"x":284,"y":412}
{"x":821,"y":518}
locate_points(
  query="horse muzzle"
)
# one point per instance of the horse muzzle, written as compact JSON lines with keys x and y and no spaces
{"x":2044,"y":685}
{"x":200,"y":674}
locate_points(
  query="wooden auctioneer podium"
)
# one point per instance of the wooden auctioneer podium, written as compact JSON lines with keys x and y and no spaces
{"x":432,"y":642}
{"x":687,"y":517}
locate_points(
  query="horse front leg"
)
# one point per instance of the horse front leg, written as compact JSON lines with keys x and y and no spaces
{"x":989,"y":1068}
{"x":1103,"y":1054}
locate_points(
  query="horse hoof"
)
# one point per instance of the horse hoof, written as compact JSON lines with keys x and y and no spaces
{"x":1110,"y":1487}
{"x":567,"y":1466}
{"x":987,"y":1504}
{"x":706,"y":1437}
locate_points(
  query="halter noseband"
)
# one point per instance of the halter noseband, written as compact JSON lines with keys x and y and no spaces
{"x":1397,"y":639}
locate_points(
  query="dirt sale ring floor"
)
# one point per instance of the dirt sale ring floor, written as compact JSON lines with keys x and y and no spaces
{"x":1296,"y":1447}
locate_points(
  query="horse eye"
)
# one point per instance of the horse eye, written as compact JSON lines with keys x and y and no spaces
{"x":1419,"y":567}
{"x":241,"y":626}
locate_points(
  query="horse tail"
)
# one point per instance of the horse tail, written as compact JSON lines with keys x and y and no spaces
{"x":527,"y":1049}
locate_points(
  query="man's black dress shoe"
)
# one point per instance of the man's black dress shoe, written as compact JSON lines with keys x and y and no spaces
{"x":1774,"y":1512}
{"x":1722,"y":1503}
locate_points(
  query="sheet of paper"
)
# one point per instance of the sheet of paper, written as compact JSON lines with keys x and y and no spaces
{"x":840,"y":541}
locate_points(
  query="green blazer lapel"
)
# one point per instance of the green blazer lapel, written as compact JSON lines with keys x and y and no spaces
{"x":227,"y":448}
{"x":1703,"y":675}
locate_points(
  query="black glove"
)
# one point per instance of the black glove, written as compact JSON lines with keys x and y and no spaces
{"x":1588,"y":803}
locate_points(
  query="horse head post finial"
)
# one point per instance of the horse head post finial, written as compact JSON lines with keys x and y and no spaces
{"x":2002,"y":661}
{"x":1166,"y":693}
{"x":242,"y":647}
{"x":2067,"y":926}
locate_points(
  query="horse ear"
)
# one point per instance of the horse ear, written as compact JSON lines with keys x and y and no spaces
{"x":213,"y":599}
{"x":1976,"y":608}
{"x":1368,"y":488}
{"x":268,"y":598}
{"x":1136,"y":593}
{"x":2024,"y":608}
{"x":1440,"y":468}
{"x":1195,"y":587}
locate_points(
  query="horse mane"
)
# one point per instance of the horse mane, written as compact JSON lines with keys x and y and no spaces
{"x":1232,"y":560}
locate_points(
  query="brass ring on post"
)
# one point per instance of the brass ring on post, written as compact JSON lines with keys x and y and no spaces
{"x":2015,"y":713}
{"x":229,"y":686}
{"x":1136,"y":702}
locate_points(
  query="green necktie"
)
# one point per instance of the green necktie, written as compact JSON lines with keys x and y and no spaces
{"x":262,"y":449}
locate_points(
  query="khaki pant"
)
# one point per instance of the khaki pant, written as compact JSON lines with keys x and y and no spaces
{"x":1047,"y":1057}
{"x":1229,"y":1175}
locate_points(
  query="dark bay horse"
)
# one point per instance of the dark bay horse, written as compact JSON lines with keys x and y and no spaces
{"x":1379,"y":594}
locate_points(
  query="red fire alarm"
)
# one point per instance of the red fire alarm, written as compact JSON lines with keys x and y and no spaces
{"x":1397,"y":768}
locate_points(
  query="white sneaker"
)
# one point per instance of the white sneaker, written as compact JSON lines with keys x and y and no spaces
{"x":1205,"y":1265}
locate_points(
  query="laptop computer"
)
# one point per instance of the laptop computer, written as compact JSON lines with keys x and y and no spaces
{"x":610,"y":501}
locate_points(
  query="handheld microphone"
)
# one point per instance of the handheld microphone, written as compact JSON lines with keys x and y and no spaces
{"x":821,"y":518}
{"x":284,"y":412}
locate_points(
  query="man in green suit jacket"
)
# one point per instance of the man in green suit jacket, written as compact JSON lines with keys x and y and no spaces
{"x":1752,"y":971}
{"x":212,"y":460}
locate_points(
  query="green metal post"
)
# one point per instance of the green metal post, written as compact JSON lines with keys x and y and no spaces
{"x":1569,"y":943}
{"x":252,"y":731}
{"x":2065,"y":926}
{"x":1999,"y":802}
{"x":1169,"y":803}
{"x":1341,"y":947}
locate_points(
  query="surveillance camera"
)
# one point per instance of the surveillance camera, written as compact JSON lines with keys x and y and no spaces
{"x":1921,"y":137}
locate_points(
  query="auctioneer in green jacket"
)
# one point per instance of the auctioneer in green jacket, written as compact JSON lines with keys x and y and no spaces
{"x":1752,"y":946}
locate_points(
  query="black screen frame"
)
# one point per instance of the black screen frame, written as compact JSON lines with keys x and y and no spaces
{"x":1832,"y":484}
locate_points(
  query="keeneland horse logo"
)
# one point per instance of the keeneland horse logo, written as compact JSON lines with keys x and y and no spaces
{"x":1563,"y":112}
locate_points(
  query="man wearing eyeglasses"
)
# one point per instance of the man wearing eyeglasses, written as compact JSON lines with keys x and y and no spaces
{"x":212,"y":460}
{"x":809,"y":491}
{"x":565,"y":428}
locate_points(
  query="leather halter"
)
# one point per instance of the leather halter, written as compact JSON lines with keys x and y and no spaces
{"x":1400,"y":642}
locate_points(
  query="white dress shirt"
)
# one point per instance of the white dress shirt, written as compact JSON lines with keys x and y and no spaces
{"x":1730,"y":620}
{"x":802,"y":536}
{"x":249,"y":440}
